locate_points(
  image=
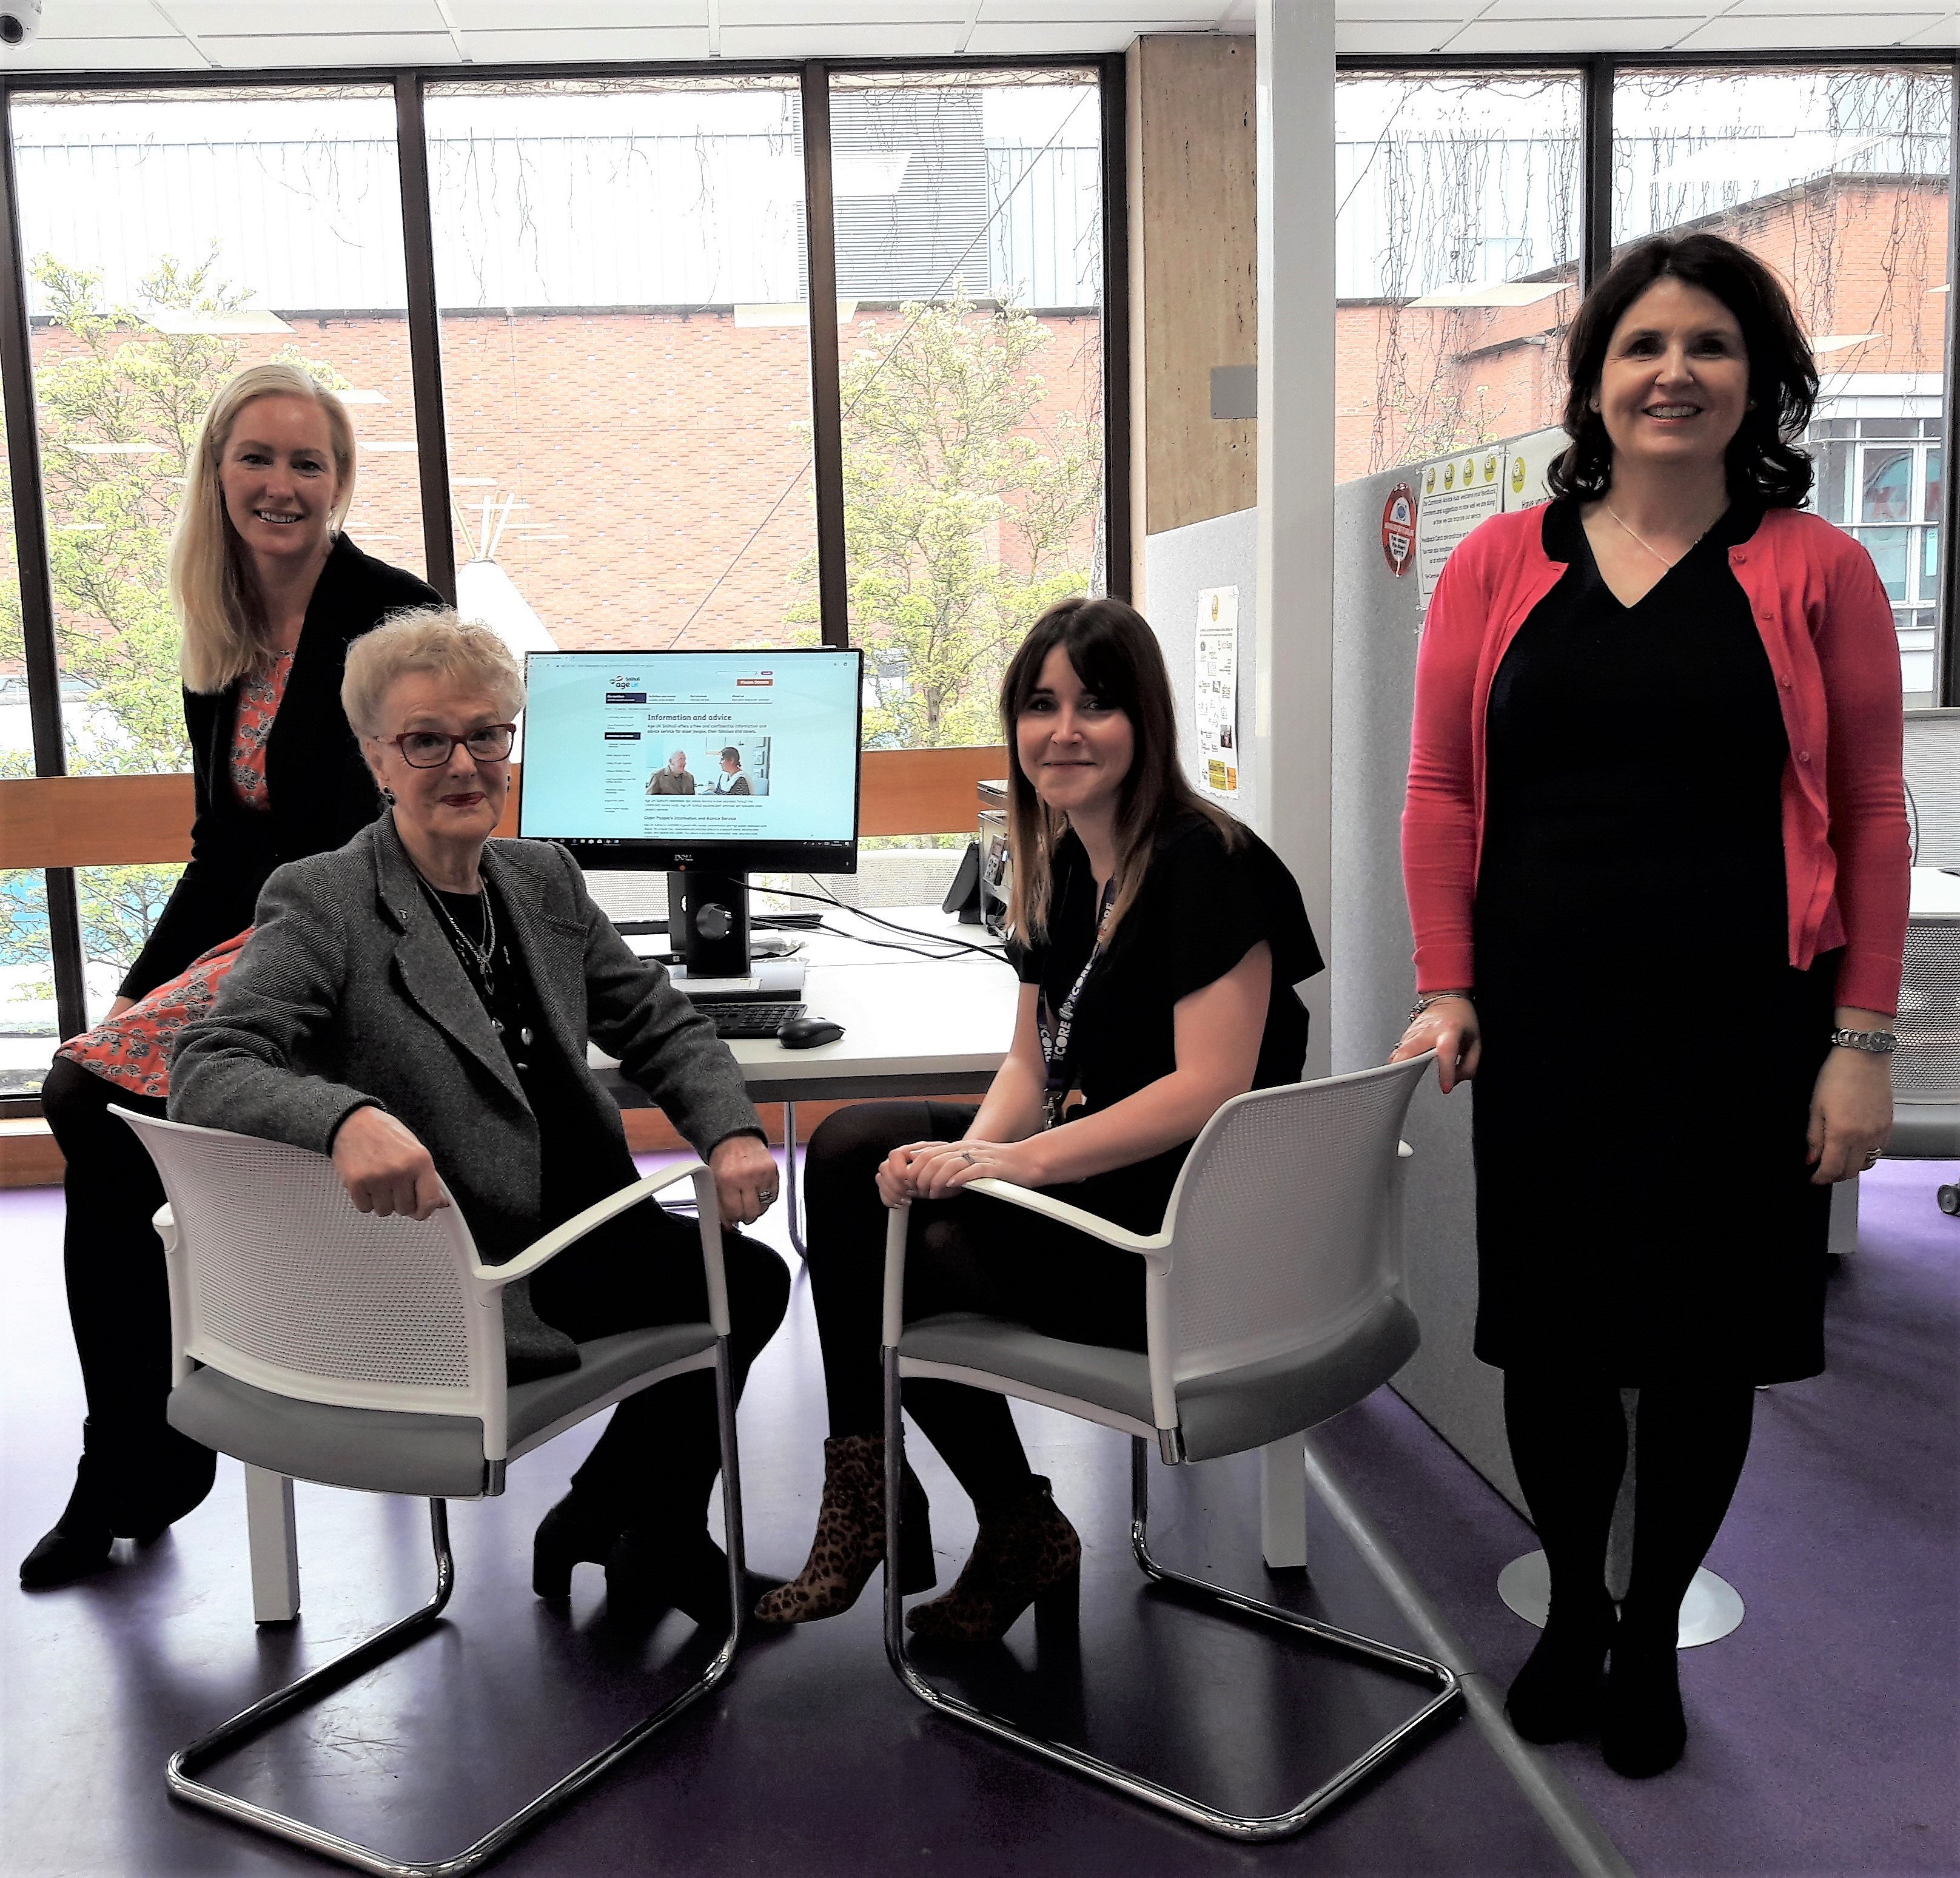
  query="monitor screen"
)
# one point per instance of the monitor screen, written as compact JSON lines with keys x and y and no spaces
{"x":720,"y":759}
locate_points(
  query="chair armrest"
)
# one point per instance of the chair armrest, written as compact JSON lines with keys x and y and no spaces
{"x":542,"y":1251}
{"x":1154,"y":1246}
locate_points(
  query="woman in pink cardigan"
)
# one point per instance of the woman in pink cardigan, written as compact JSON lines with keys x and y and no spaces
{"x":1656,"y":854}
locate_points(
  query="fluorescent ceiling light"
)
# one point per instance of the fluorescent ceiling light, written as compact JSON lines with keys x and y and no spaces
{"x":119,"y":450}
{"x":787,"y":313}
{"x":1837,"y":342}
{"x":1494,"y":293}
{"x":870,"y":176}
{"x":366,"y":445}
{"x":189,"y":319}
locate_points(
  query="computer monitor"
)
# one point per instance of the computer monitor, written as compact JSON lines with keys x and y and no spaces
{"x":704,"y":765}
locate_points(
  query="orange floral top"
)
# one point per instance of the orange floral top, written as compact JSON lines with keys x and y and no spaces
{"x":133,"y":1050}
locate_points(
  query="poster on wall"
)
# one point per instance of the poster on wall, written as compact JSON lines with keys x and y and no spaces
{"x":1217,"y":689}
{"x":1456,"y":493}
{"x":1528,"y":459}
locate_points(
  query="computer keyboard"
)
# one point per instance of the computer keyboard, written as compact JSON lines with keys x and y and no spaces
{"x":750,"y":1020}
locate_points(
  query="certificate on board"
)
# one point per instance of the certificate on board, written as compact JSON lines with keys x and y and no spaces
{"x":1217,"y":689}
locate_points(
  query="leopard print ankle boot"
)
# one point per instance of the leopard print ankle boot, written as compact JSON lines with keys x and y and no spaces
{"x":850,"y":1541}
{"x":1026,"y":1553}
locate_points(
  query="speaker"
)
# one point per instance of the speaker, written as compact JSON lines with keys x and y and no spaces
{"x":963,"y":896}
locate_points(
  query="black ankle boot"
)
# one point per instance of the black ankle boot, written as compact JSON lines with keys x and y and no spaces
{"x":1556,"y":1694}
{"x":575,"y":1531}
{"x":75,"y":1545}
{"x":126,"y":1489}
{"x":1026,"y":1553}
{"x":1643,"y":1731}
{"x":649,"y":1573}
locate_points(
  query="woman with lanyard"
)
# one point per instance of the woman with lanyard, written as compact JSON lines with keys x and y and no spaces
{"x":269,"y":593}
{"x":1158,"y":943}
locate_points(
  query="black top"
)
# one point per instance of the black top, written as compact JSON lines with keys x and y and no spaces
{"x":320,"y":793}
{"x":1596,"y":838}
{"x":1202,"y":908}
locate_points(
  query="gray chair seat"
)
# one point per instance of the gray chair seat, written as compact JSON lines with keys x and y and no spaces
{"x":1924,"y":1131}
{"x":382,"y":1450}
{"x":1244,"y":1409}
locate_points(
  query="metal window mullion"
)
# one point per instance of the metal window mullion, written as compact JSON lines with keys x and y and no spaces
{"x":826,"y":389}
{"x":1946,"y":621}
{"x":39,"y":650}
{"x":1117,"y":573}
{"x":1596,"y":181}
{"x":424,"y":333}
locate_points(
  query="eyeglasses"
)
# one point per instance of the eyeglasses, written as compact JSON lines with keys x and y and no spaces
{"x":430,"y":750}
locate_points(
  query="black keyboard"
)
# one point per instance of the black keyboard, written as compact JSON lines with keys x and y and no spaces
{"x":750,"y":1020}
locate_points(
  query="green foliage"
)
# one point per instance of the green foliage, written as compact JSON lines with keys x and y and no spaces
{"x":120,"y":908}
{"x":961,"y":526}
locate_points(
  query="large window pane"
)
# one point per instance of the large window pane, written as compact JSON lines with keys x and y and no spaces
{"x":172,"y":239}
{"x":969,"y":266}
{"x":1839,"y":180}
{"x":625,"y":335}
{"x":1456,"y":240}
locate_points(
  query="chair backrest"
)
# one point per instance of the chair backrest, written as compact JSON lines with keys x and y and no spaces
{"x":276,"y":1279}
{"x":1286,"y":1224}
{"x":1927,"y":1067}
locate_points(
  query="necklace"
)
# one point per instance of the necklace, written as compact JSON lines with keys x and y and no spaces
{"x":1648,"y":546}
{"x":483,"y":952}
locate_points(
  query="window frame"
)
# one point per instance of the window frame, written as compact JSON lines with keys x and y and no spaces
{"x":408,"y":86}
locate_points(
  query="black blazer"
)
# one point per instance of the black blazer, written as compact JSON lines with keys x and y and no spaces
{"x":321,"y":794}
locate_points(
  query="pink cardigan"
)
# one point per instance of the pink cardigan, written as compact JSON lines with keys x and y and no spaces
{"x":1826,"y":625}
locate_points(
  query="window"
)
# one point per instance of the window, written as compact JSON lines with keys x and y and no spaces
{"x":171,"y":238}
{"x":1456,"y":246}
{"x":969,"y":275}
{"x":1838,"y":179}
{"x":626,"y":339}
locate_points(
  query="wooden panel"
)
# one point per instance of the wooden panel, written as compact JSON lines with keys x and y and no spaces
{"x":30,"y":1158}
{"x":1194,"y":271}
{"x":107,"y":821}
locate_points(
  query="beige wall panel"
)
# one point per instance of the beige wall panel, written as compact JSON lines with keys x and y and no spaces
{"x":1194,"y":275}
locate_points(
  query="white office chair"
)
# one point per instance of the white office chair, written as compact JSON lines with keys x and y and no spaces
{"x":1925,"y":1068}
{"x":315,"y":1341}
{"x":1272,"y":1297}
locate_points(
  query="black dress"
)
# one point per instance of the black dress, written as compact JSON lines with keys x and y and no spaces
{"x":1644,"y":1208}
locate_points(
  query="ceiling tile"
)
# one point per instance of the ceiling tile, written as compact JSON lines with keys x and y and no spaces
{"x":1570,"y":35}
{"x":812,"y":21}
{"x":1946,"y":32}
{"x":1060,"y":37}
{"x":252,"y":18}
{"x":1790,"y":32}
{"x":103,"y":19}
{"x":819,"y":40}
{"x":572,"y":16}
{"x":552,"y":44}
{"x":244,"y":51}
{"x":1391,"y":38}
{"x":1402,"y":12}
{"x":1143,"y":16}
{"x":169,"y":52}
{"x":1853,"y":13}
{"x":1578,"y":16}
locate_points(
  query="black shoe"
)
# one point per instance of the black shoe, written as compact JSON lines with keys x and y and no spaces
{"x":574,"y":1533}
{"x":648,"y":1574}
{"x":1643,"y":1731}
{"x":62,"y":1556}
{"x":1556,"y":1694}
{"x":122,"y":1490}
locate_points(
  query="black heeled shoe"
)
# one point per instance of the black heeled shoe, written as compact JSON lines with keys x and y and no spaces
{"x":574,"y":1533}
{"x":1026,"y":1553}
{"x":648,"y":1574}
{"x":1643,"y":1731}
{"x":1556,"y":1694}
{"x":108,"y":1503}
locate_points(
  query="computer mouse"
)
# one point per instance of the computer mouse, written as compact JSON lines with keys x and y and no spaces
{"x":806,"y":1033}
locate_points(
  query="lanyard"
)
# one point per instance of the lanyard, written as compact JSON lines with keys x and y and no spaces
{"x":1057,"y":1030}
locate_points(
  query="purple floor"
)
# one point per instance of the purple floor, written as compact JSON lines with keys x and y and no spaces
{"x":811,"y":1759}
{"x":1826,"y":1732}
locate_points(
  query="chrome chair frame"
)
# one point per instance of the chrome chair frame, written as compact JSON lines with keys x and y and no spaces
{"x":181,"y":1770}
{"x":1249,"y":1829}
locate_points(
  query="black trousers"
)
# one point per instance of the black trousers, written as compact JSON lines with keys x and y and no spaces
{"x":656,"y":1463}
{"x":969,"y":1253}
{"x":664,"y":1440}
{"x":119,"y":1298}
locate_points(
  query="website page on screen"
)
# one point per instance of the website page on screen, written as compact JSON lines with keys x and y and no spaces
{"x":705,"y":747}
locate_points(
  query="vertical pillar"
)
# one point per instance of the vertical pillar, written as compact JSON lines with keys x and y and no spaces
{"x":1293,"y":734}
{"x":273,"y":1542}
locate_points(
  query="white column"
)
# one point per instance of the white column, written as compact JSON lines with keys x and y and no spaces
{"x":1293,"y":725}
{"x":1293,"y":733}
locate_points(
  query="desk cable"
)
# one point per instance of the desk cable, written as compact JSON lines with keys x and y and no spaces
{"x":910,"y":932}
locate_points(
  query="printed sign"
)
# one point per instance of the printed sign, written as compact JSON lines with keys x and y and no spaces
{"x":1217,"y":690}
{"x":1398,"y":530}
{"x":1457,"y":494}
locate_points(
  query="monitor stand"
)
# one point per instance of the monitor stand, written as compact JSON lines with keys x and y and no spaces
{"x":707,"y":922}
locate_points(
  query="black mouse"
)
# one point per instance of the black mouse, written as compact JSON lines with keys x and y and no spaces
{"x":806,"y":1033}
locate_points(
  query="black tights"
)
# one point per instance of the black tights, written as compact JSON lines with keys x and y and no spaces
{"x":971,"y":1253}
{"x":1568,"y":1441}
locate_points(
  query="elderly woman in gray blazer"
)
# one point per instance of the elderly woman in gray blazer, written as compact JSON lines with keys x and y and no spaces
{"x":419,"y":1002}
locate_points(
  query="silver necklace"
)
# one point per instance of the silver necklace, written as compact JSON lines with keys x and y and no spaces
{"x":482,"y":953}
{"x":1648,"y":546}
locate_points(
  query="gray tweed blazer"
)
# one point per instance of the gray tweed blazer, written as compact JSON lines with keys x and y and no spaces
{"x":349,"y":993}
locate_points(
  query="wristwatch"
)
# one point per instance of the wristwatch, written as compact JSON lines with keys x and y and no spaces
{"x":1876,"y":1042}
